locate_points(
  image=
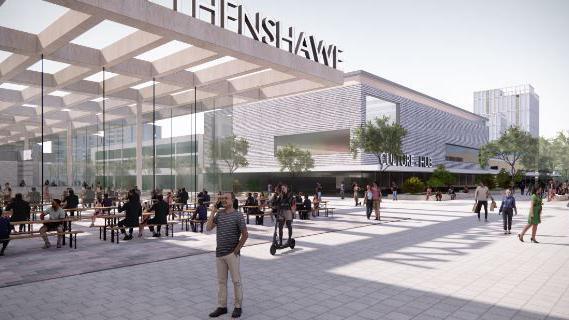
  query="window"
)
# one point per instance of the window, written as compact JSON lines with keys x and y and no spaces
{"x":377,"y":108}
{"x":461,"y":154}
{"x":318,"y":143}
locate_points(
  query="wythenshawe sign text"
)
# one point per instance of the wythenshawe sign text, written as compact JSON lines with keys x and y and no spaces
{"x":230,"y":15}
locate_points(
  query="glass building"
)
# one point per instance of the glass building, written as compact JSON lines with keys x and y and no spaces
{"x":138,"y":93}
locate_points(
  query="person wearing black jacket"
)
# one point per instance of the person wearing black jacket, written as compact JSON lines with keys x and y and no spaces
{"x":5,"y":230}
{"x":161,"y":210}
{"x":286,"y":205}
{"x":20,"y":210}
{"x":71,"y":202}
{"x":133,"y":212}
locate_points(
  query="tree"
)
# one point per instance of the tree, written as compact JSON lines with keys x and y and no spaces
{"x":295,"y":160}
{"x":560,"y":148}
{"x":488,"y":180}
{"x":232,"y":151}
{"x":514,"y":147}
{"x":441,"y":177}
{"x":545,"y":161}
{"x":378,"y":138}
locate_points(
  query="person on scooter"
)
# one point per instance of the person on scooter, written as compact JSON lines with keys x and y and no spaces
{"x":286,"y":207}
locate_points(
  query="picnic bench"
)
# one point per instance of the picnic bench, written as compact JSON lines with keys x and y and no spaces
{"x":169,"y":225}
{"x":31,"y":233}
{"x":260,"y":213}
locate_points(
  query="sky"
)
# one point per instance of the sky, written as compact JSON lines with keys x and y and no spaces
{"x":444,"y":48}
{"x":447,"y":48}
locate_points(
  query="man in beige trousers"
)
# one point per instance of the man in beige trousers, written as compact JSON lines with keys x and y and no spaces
{"x":231,"y":236}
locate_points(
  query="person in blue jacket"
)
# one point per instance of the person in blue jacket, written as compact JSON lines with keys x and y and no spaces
{"x":507,"y":208}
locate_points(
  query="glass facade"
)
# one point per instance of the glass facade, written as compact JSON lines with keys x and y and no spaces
{"x":377,"y":108}
{"x":461,"y":154}
{"x":149,"y":144}
{"x":318,"y":143}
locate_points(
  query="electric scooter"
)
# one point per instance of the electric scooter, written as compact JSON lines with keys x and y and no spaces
{"x":275,"y":246}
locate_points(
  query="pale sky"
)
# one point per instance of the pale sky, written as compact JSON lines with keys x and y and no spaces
{"x":444,"y":48}
{"x":447,"y":48}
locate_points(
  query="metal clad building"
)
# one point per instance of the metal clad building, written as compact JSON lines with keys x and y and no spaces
{"x":322,"y":121}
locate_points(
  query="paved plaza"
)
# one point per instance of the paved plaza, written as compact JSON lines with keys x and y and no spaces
{"x":426,"y":260}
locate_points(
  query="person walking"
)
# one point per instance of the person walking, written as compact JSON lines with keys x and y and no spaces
{"x":507,"y":208}
{"x":356,"y":189}
{"x":342,"y":190}
{"x":231,"y":235}
{"x":376,"y":199}
{"x":394,"y":190}
{"x":369,"y":201}
{"x":481,"y":196}
{"x":534,"y":215}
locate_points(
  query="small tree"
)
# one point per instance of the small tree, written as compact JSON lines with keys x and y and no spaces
{"x":441,"y":177}
{"x":514,"y":147}
{"x":294,"y":160}
{"x":378,"y":138}
{"x":232,"y":151}
{"x":413,"y":185}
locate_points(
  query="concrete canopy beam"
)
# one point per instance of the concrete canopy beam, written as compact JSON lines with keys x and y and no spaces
{"x":153,"y":18}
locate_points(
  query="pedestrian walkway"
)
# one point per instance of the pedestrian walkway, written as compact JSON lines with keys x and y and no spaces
{"x":427,"y":261}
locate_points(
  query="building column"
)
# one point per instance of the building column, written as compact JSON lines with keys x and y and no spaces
{"x":69,"y":156}
{"x":139,"y":136}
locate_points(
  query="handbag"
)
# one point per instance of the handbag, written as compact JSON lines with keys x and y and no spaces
{"x":493,"y":205}
{"x":474,"y":207}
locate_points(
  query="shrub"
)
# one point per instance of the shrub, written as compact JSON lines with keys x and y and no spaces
{"x":488,"y":180}
{"x":441,"y":177}
{"x":503,"y":179}
{"x":413,"y":185}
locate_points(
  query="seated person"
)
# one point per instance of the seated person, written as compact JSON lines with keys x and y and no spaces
{"x":34,"y":198}
{"x":20,"y":210}
{"x":206,"y":198}
{"x":161,"y":210}
{"x":133,"y":212}
{"x":101,"y":203}
{"x":439,"y":196}
{"x":55,"y":212}
{"x":201,"y":215}
{"x":71,"y":201}
{"x":5,"y":230}
{"x":307,"y":206}
{"x":452,"y":193}
{"x":88,"y":197}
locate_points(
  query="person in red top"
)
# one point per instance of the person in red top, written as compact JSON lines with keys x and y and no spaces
{"x":376,"y":197}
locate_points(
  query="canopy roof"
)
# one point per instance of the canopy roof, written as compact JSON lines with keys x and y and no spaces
{"x":136,"y":41}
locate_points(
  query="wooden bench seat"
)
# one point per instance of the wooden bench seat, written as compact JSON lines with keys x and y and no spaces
{"x":169,"y":225}
{"x":36,"y":234}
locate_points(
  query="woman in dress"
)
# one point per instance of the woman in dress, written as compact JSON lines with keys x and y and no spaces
{"x":534,"y":215}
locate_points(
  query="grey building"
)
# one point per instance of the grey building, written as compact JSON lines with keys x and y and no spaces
{"x":323,"y":121}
